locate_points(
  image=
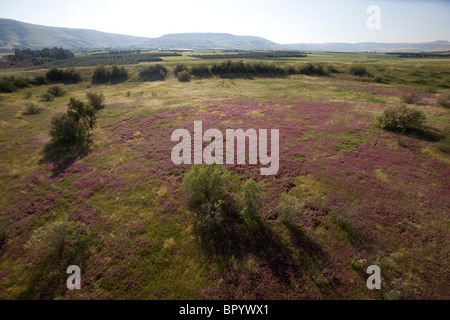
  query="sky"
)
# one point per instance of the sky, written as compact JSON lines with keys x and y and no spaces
{"x":281,"y":21}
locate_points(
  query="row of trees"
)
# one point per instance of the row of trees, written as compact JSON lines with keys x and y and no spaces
{"x":253,"y":55}
{"x":114,"y":75}
{"x":241,"y":69}
{"x":41,"y":56}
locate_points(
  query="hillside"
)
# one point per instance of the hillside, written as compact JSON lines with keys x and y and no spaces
{"x":24,"y":35}
{"x":223,"y":41}
{"x":16,"y":34}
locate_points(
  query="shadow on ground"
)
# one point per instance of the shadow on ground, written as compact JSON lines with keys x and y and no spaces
{"x":64,"y":155}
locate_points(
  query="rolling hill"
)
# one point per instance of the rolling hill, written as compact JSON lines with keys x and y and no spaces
{"x":16,"y":34}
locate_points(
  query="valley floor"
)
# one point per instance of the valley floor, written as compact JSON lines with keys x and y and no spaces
{"x":115,"y":206}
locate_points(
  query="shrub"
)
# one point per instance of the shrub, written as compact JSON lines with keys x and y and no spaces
{"x":401,"y":119}
{"x":379,"y":79}
{"x":183,"y":76}
{"x":63,"y":75}
{"x":101,"y":75}
{"x":27,"y":95}
{"x":251,"y":199}
{"x":178,"y":68}
{"x":40,"y":80}
{"x":155,"y":72}
{"x":31,"y":109}
{"x":410,"y":98}
{"x":65,"y":129}
{"x":207,"y":188}
{"x":288,"y":208}
{"x":444,"y":145}
{"x":200,"y":70}
{"x":83,"y":113}
{"x":118,"y":75}
{"x":11,"y":84}
{"x":56,"y":91}
{"x":332,"y":69}
{"x":360,"y":71}
{"x":95,"y":99}
{"x":47,"y":97}
{"x":444,"y":100}
{"x":7,"y":85}
{"x":311,"y":70}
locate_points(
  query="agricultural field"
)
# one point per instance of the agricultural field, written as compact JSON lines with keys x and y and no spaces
{"x":348,"y":194}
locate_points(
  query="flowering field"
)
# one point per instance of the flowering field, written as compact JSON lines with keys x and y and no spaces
{"x":115,"y":207}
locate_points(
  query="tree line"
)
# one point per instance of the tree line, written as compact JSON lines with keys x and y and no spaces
{"x":39,"y":57}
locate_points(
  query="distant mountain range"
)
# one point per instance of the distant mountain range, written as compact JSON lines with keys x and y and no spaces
{"x":16,"y":34}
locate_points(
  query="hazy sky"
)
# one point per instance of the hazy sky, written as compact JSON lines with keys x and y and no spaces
{"x":282,"y":21}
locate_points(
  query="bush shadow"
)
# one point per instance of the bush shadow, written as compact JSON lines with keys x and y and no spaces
{"x":64,"y":155}
{"x":242,"y":238}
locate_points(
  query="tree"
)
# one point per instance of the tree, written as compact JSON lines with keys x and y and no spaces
{"x":95,"y":99}
{"x":207,"y":187}
{"x":65,"y":129}
{"x":118,"y":75}
{"x":178,"y":68}
{"x":101,"y":75}
{"x":251,"y":199}
{"x":155,"y":72}
{"x":83,"y":113}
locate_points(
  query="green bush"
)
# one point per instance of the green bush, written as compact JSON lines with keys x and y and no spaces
{"x":200,"y":70}
{"x":47,"y":97}
{"x":65,"y":129}
{"x":56,"y":91}
{"x":31,"y":109}
{"x":444,"y":100}
{"x":183,"y":76}
{"x":311,"y":70}
{"x":401,"y":119}
{"x":251,"y":199}
{"x":7,"y":85}
{"x":75,"y":124}
{"x":379,"y":79}
{"x":155,"y":72}
{"x":40,"y":80}
{"x":332,"y":69}
{"x":63,"y":75}
{"x":410,"y":98}
{"x":11,"y":84}
{"x":118,"y":75}
{"x":288,"y":208}
{"x":444,"y":145}
{"x":360,"y":71}
{"x":207,"y":188}
{"x":27,"y":95}
{"x":101,"y":75}
{"x":82,"y":113}
{"x":95,"y":99}
{"x":178,"y":68}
